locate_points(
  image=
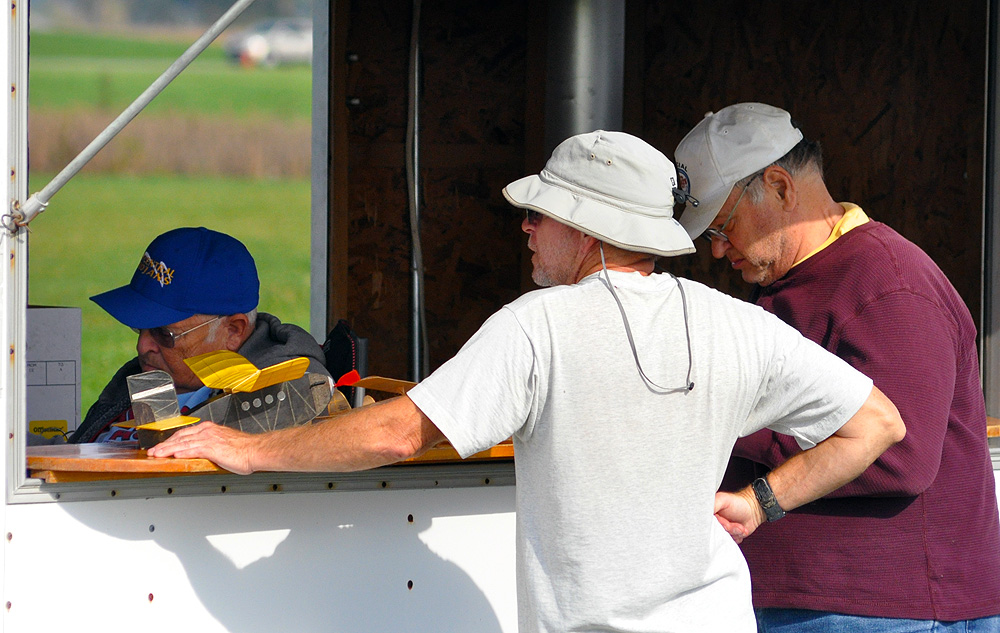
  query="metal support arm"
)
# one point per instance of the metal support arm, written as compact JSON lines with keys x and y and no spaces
{"x":21,"y":214}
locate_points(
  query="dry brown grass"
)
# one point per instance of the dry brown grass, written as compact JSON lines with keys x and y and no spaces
{"x":178,"y":144}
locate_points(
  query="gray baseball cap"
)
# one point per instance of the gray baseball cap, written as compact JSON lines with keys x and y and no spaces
{"x":724,"y":148}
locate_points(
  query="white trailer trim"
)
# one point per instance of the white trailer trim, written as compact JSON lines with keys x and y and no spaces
{"x":14,"y":247}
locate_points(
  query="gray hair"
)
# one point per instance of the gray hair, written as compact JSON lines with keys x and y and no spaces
{"x":214,"y":327}
{"x":804,"y":156}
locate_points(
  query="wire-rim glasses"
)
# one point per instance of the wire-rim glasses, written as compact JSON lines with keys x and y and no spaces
{"x":165,"y":338}
{"x":719,"y":233}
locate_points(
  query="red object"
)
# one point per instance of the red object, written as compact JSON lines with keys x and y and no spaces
{"x":348,"y":379}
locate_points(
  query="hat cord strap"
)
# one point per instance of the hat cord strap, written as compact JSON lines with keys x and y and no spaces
{"x":628,"y":331}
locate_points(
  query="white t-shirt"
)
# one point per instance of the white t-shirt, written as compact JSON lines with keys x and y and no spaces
{"x":615,"y":481}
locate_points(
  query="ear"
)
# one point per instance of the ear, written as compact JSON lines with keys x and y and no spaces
{"x":588,"y":244}
{"x":779,"y":181}
{"x":236,"y":330}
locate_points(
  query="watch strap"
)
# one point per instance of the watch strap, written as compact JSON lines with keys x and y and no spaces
{"x":765,"y":497}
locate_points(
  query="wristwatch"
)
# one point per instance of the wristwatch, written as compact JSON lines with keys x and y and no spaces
{"x":765,"y":496}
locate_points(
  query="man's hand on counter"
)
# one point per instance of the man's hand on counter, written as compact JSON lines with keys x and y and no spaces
{"x":225,"y":447}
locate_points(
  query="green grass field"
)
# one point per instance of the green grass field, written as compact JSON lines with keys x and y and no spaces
{"x":108,"y":73}
{"x":95,"y":229}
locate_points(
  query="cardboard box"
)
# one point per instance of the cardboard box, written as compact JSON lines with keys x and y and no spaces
{"x":53,"y":370}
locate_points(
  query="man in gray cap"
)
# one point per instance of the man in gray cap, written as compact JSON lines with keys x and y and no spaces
{"x":915,"y":539}
{"x":624,"y":391}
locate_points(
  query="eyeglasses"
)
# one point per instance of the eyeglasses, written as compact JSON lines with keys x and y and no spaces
{"x":167,"y":339}
{"x":533,"y":217}
{"x":719,"y":233}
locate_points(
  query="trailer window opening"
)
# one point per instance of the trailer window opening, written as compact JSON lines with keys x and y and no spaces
{"x":232,"y":161}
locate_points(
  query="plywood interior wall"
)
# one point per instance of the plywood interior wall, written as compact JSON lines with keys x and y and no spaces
{"x":472,"y":138}
{"x":894,"y":90}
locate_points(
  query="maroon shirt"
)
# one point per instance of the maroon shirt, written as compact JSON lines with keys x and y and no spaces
{"x":917,"y":535}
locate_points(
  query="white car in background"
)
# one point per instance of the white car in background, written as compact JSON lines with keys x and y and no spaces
{"x":272,"y":42}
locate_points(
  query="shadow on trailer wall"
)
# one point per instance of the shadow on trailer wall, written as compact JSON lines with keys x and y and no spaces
{"x":894,"y":91}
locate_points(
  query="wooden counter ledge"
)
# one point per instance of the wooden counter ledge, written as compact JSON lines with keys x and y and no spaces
{"x":68,"y":463}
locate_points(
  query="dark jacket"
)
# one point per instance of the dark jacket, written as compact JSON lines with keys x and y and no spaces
{"x":271,"y":342}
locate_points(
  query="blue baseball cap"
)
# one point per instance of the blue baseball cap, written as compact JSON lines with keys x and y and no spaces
{"x":185,"y":272}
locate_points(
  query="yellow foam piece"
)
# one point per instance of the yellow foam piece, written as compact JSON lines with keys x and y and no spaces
{"x":159,"y":425}
{"x":234,"y":374}
{"x":169,"y":423}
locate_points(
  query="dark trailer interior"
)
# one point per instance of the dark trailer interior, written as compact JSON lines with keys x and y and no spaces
{"x":899,"y":93}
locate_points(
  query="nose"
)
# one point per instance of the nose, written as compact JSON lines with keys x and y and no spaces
{"x":146,"y":343}
{"x":719,"y":247}
{"x":527,"y":226}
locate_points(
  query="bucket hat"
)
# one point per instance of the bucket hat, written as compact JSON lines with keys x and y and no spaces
{"x":612,"y":186}
{"x":184,"y":272}
{"x":724,"y":148}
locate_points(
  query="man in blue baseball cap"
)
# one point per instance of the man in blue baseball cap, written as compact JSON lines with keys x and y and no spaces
{"x":194,"y":291}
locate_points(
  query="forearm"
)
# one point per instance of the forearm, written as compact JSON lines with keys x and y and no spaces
{"x":373,"y":436}
{"x":840,"y":458}
{"x":904,"y":470}
{"x":368,"y":437}
{"x":815,"y":473}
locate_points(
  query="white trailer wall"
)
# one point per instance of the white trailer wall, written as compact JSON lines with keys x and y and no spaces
{"x":413,"y":560}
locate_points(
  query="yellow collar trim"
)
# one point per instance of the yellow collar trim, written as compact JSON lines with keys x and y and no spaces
{"x":853,"y":218}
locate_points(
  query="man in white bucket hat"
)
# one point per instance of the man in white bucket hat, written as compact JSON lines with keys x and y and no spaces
{"x":624,"y":391}
{"x":915,"y":539}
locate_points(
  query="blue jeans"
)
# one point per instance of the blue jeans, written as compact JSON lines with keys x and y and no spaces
{"x":803,"y":621}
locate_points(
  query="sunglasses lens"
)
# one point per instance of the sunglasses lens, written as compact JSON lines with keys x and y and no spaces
{"x":163,"y":337}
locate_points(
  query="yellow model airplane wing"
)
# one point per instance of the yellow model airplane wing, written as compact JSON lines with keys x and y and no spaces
{"x":287,"y":370}
{"x":232,"y":373}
